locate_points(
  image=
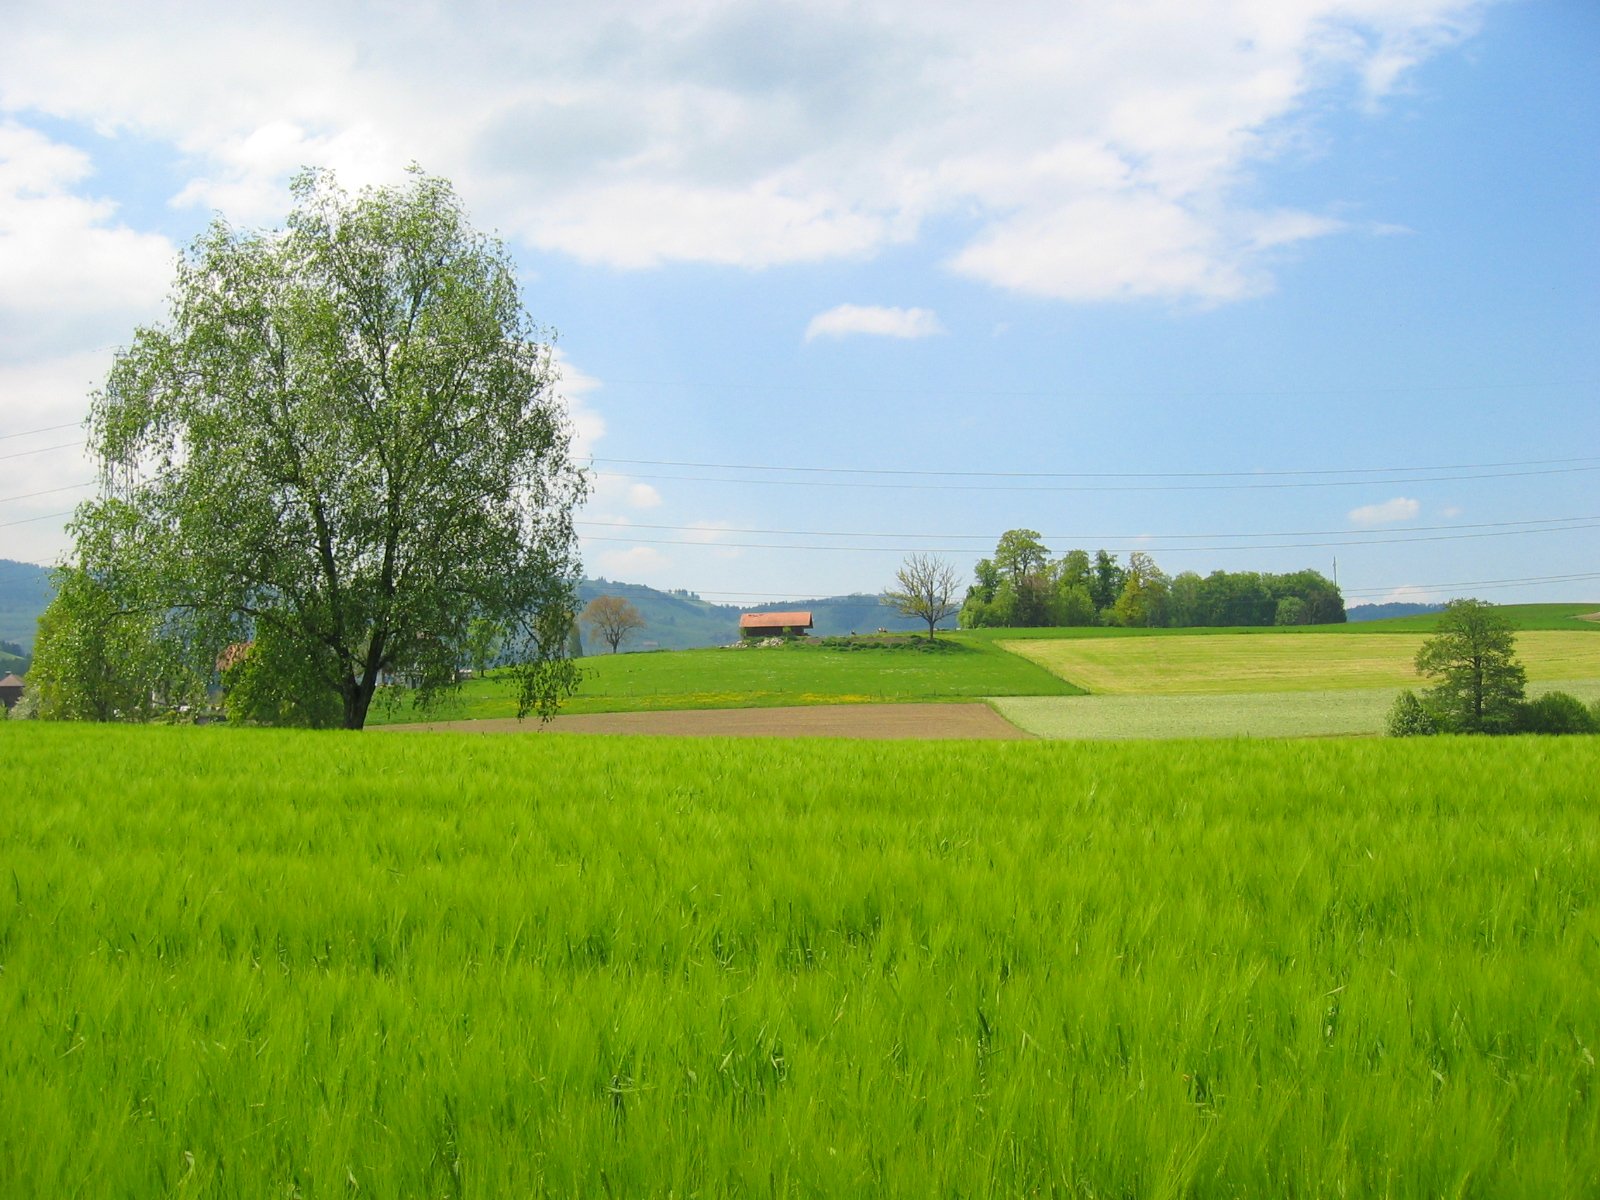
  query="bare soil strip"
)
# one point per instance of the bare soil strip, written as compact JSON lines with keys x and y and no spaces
{"x":873,"y":721}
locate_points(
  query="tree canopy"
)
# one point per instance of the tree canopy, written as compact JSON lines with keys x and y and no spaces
{"x":1020,"y":586}
{"x":345,"y":439}
{"x":1472,"y":657}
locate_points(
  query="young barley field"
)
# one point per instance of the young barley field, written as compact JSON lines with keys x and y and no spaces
{"x":258,"y":963}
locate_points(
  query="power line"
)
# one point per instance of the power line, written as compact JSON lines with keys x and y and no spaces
{"x":47,"y":492}
{"x":708,"y":466}
{"x":1194,"y":487}
{"x":1096,"y":393}
{"x":42,"y":450}
{"x":30,"y":520}
{"x":6,"y":437}
{"x":1077,"y":537}
{"x":1145,"y":546}
{"x":1475,"y":583}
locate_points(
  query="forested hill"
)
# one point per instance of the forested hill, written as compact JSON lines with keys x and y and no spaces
{"x":25,"y":590}
{"x":680,"y":620}
{"x":1380,"y":612}
{"x":674,"y":620}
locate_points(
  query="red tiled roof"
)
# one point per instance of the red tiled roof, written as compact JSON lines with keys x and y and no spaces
{"x":766,"y":620}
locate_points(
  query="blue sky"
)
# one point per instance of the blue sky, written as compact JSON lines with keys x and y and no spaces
{"x":1247,"y":284}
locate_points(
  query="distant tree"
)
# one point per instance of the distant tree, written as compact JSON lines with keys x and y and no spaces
{"x":925,"y":587}
{"x":1108,"y":577}
{"x":1557,"y":712}
{"x":1291,"y":611}
{"x":1020,"y":553}
{"x":1142,"y":602}
{"x":1410,"y":717}
{"x":611,"y":619}
{"x":1075,"y":606}
{"x":485,"y":638}
{"x":1472,"y":655}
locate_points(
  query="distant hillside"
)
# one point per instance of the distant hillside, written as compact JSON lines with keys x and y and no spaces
{"x":1382,"y":612}
{"x":681,"y":620}
{"x":25,"y":592}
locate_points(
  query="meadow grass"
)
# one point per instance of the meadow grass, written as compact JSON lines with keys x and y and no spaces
{"x":1280,"y":662}
{"x":1338,"y":713}
{"x":262,"y":963}
{"x":766,"y":677}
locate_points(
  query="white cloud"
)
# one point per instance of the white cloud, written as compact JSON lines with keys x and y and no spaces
{"x":1095,"y":151}
{"x":847,"y":319}
{"x":1400,"y":508}
{"x":69,"y":271}
{"x":636,"y":564}
{"x":642,"y":495}
{"x":1409,"y":594}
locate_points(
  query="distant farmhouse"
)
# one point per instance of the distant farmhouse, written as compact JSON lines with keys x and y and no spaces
{"x":776,"y":624}
{"x":10,"y":690}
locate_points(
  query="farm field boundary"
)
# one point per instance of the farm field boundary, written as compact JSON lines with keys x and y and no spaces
{"x":866,"y":721}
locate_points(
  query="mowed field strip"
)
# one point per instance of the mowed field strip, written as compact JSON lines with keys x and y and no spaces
{"x":1269,"y":662}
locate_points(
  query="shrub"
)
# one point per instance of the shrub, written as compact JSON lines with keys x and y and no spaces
{"x":1556,"y":712}
{"x":1410,"y":717}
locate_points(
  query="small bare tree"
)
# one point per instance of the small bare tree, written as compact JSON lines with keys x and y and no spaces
{"x":611,"y":619}
{"x":927,"y":589}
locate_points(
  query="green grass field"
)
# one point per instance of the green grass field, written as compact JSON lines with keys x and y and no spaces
{"x":259,"y":963}
{"x":958,"y":669}
{"x":1278,"y":662}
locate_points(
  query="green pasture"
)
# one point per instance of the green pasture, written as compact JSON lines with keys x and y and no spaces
{"x":767,"y":677}
{"x":1279,"y":662}
{"x":1341,"y":712}
{"x":264,"y":963}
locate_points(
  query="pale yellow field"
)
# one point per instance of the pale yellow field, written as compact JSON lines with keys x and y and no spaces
{"x":1212,"y":664}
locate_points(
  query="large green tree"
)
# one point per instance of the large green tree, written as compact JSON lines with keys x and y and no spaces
{"x":345,"y":436}
{"x":1472,"y":656}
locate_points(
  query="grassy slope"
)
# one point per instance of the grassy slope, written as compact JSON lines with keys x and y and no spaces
{"x":959,"y":669}
{"x":259,"y":963}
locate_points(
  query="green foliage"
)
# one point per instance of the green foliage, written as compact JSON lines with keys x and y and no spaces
{"x":259,"y":962}
{"x":1410,"y":717}
{"x":1145,"y":591}
{"x":97,"y":660}
{"x":1472,"y":655}
{"x":275,"y":682}
{"x":1557,"y":712}
{"x":346,"y":437}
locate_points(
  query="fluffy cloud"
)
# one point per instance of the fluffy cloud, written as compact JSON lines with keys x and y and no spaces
{"x":1390,"y":511}
{"x":1092,"y":151}
{"x":881,"y":322}
{"x":69,"y":271}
